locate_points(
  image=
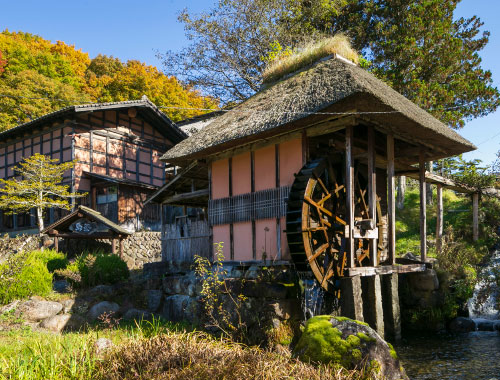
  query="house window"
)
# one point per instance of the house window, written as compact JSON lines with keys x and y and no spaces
{"x":107,"y":195}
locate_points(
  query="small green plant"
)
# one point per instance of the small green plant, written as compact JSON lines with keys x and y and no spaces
{"x":53,"y":259}
{"x":23,"y":275}
{"x":223,"y":309}
{"x":95,"y":269}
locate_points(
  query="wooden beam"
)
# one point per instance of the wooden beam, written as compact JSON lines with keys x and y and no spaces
{"x":372,"y":192}
{"x":391,"y":201}
{"x":185,"y":196}
{"x":423,"y":209}
{"x":349,"y":195}
{"x":439,"y":218}
{"x":475,"y":216}
{"x":113,"y":246}
{"x":385,"y":269}
{"x":56,"y":243}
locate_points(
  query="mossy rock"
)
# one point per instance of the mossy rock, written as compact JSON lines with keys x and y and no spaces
{"x":350,"y":343}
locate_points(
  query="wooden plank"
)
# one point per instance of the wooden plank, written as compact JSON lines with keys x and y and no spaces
{"x":349,"y":195}
{"x":439,"y":218}
{"x":385,"y":269}
{"x":372,"y":192}
{"x":475,"y":216}
{"x":391,"y":201}
{"x":331,"y":126}
{"x":423,"y":209}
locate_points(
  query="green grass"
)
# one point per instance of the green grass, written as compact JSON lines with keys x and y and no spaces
{"x":457,"y":212}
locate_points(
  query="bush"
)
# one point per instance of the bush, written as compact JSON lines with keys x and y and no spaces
{"x":53,"y":259}
{"x":91,"y":270}
{"x":24,"y":275}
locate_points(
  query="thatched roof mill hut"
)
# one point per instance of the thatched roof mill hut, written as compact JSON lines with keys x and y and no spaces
{"x":304,"y":170}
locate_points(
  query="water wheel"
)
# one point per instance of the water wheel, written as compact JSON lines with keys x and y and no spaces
{"x":316,"y":220}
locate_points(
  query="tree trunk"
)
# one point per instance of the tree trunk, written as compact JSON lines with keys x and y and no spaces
{"x":39,"y":214}
{"x":428,"y":186}
{"x":400,"y":201}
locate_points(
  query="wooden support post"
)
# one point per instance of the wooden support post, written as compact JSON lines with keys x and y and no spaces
{"x":439,"y":218}
{"x":121,"y":248}
{"x":113,"y":246}
{"x":56,"y":243}
{"x":349,"y":138}
{"x":391,"y":201}
{"x":423,"y":208}
{"x":475,"y":216}
{"x":372,"y":192}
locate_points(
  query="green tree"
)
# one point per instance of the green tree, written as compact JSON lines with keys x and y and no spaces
{"x":415,"y":46}
{"x":39,"y":187}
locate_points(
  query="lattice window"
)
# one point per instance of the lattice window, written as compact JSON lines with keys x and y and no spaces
{"x":264,"y":204}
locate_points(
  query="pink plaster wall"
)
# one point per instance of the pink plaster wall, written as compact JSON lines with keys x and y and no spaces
{"x":265,"y":168}
{"x":290,"y":161}
{"x":221,"y":234}
{"x":265,"y":241}
{"x":220,"y":179}
{"x":242,"y":235}
{"x":241,"y":174}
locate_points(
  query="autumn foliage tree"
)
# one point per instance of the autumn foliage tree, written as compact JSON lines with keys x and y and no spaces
{"x":38,"y":77}
{"x":39,"y":187}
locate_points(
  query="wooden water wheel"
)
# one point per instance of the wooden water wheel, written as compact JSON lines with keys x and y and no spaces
{"x":316,"y":220}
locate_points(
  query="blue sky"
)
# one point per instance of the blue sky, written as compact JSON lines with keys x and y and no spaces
{"x":137,"y":29}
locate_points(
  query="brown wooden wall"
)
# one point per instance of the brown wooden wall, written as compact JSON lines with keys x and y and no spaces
{"x":113,"y":144}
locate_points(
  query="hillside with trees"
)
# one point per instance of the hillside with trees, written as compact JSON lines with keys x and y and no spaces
{"x":38,"y":77}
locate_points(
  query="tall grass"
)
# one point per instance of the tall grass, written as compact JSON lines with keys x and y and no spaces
{"x":287,"y":63}
{"x":149,"y":350}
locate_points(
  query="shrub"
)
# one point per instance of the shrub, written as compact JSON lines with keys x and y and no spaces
{"x":91,"y":270}
{"x":23,"y":275}
{"x":53,"y":259}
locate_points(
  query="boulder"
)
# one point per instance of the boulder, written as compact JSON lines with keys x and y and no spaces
{"x":101,"y":308}
{"x":101,"y":290}
{"x":462,"y":324}
{"x":154,"y":298}
{"x":61,"y":286}
{"x":340,"y":340}
{"x":61,"y":322}
{"x":38,"y":310}
{"x":485,"y":325}
{"x":424,"y":281}
{"x":137,"y":315}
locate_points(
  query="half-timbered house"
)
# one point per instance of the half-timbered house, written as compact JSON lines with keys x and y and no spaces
{"x":117,"y":149}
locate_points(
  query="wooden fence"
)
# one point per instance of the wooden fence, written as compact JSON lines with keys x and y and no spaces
{"x":184,"y":239}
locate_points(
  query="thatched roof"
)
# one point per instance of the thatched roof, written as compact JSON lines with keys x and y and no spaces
{"x":331,"y":85}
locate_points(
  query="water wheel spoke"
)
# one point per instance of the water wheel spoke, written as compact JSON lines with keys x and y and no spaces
{"x":318,"y":206}
{"x":318,"y":252}
{"x":321,"y":184}
{"x":324,"y":199}
{"x":329,"y":273}
{"x":315,"y":229}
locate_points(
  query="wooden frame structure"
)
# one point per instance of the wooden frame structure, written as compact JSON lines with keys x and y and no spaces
{"x":332,"y":111}
{"x":116,"y":146}
{"x":85,"y":223}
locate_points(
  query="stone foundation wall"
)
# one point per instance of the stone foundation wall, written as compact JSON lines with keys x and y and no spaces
{"x":12,"y":245}
{"x":174,"y":292}
{"x":138,"y":249}
{"x":141,"y":248}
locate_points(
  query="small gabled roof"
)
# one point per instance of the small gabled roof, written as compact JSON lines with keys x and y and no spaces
{"x":93,"y":215}
{"x":147,"y":109}
{"x":331,"y":87}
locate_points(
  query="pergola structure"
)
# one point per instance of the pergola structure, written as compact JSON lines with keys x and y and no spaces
{"x":85,"y":223}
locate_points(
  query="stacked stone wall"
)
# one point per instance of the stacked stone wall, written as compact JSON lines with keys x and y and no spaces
{"x":141,"y":248}
{"x":138,"y":249}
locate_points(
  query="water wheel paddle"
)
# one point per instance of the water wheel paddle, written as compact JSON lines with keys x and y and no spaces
{"x":316,"y":220}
